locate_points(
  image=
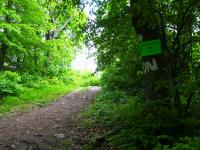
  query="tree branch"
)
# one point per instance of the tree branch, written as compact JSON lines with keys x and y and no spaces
{"x":190,"y":41}
{"x":67,"y":22}
{"x":64,"y":26}
{"x":56,"y":32}
{"x":182,"y":24}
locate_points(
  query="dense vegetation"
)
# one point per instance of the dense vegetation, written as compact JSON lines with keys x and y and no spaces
{"x":142,"y":107}
{"x":148,"y":101}
{"x":38,"y":41}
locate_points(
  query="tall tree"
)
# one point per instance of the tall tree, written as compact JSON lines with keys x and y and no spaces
{"x":42,"y":43}
{"x":19,"y":32}
{"x":169,"y":27}
{"x":64,"y":34}
{"x":173,"y":27}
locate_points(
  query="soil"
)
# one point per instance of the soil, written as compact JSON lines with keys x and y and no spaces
{"x":47,"y":128}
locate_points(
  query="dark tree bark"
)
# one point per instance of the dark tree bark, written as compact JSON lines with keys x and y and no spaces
{"x":3,"y":51}
{"x":4,"y":46}
{"x":143,"y":28}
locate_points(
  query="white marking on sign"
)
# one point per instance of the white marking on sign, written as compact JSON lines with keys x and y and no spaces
{"x":150,"y":66}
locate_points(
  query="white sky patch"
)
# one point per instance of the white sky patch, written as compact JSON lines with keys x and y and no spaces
{"x":82,"y":62}
{"x":88,"y":11}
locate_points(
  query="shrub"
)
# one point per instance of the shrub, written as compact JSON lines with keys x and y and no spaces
{"x":33,"y":81}
{"x":187,"y":143}
{"x":184,"y":143}
{"x":85,"y":79}
{"x":142,"y":125}
{"x":116,"y":77}
{"x":54,"y":81}
{"x":68,"y":76}
{"x":10,"y":83}
{"x":90,"y":80}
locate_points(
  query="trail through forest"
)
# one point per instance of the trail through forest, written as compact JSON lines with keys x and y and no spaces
{"x":44,"y":127}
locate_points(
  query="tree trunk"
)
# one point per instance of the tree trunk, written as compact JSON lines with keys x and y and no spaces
{"x":4,"y":46}
{"x":3,"y":55}
{"x":155,"y":65}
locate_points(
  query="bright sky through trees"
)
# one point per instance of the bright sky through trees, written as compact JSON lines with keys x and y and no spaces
{"x":82,"y":62}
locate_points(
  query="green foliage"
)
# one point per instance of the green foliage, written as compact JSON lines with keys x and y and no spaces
{"x":31,"y":97}
{"x":89,"y":79}
{"x":141,"y":125}
{"x":10,"y":83}
{"x":38,"y":41}
{"x":43,"y":43}
{"x":117,"y":40}
{"x":21,"y":92}
{"x":187,"y":143}
{"x":85,"y":79}
{"x":121,"y":76}
{"x":113,"y":96}
{"x":19,"y":35}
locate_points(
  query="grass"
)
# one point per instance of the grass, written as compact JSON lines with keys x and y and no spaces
{"x":34,"y":97}
{"x":39,"y":91}
{"x":128,"y":123}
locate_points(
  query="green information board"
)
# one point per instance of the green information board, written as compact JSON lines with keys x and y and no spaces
{"x":152,"y":47}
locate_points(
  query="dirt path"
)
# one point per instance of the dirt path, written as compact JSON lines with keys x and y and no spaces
{"x":43,"y":128}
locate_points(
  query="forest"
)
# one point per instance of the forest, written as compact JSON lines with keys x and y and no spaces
{"x":148,"y":52}
{"x":39,"y":40}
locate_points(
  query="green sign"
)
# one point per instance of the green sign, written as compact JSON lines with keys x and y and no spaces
{"x":151,"y":47}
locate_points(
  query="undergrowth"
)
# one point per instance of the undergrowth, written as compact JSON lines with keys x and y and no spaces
{"x":24,"y":91}
{"x":128,"y":123}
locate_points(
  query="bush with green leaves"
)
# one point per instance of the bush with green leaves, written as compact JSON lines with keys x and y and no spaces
{"x":67,"y":77}
{"x":90,"y":80}
{"x":184,"y":143}
{"x":118,"y":77}
{"x":85,"y":79}
{"x":36,"y":81}
{"x":10,"y":83}
{"x":141,"y":125}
